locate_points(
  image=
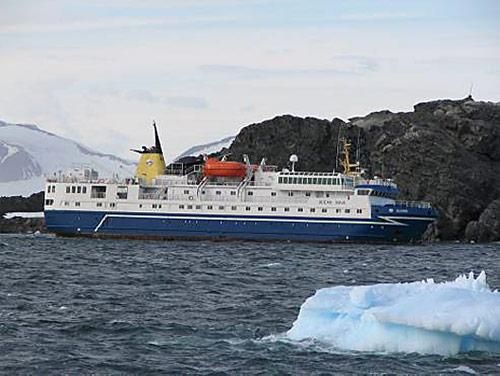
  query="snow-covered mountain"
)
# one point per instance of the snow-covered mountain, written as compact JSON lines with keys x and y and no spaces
{"x":29,"y":154}
{"x":209,"y":148}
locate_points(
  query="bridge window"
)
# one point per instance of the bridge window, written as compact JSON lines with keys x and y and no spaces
{"x":79,"y":189}
{"x":73,"y":189}
{"x":315,"y":180}
{"x":280,"y":180}
{"x":68,"y":189}
{"x":84,"y":189}
{"x":98,"y":191}
{"x":121,"y":193}
{"x":295,"y":180}
{"x":285,"y":180}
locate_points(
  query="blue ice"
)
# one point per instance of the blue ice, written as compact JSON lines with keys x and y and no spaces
{"x":425,"y":317}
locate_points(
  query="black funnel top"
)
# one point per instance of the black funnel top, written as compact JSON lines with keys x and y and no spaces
{"x":157,"y":147}
{"x":153,"y":149}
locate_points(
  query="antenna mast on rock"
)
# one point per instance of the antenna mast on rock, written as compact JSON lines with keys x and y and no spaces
{"x":470,"y":90}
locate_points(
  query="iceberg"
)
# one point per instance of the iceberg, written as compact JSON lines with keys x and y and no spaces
{"x":424,"y":317}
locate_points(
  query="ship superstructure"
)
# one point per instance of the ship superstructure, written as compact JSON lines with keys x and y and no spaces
{"x":221,"y":199}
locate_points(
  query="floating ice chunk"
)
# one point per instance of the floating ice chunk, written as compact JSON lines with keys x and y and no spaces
{"x":425,"y":317}
{"x":465,"y":369}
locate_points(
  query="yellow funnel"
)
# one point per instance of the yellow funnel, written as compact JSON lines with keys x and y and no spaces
{"x":151,"y":164}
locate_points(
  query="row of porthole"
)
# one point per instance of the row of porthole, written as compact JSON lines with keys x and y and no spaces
{"x":260,"y":208}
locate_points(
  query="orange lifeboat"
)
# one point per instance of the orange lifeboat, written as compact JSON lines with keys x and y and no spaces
{"x":215,"y":168}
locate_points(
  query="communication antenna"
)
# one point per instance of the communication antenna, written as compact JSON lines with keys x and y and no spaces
{"x":358,"y":150}
{"x":470,"y":90}
{"x":338,"y":149}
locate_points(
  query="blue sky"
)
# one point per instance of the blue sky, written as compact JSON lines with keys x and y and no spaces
{"x":101,"y":71}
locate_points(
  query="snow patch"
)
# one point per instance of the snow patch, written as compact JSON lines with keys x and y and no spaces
{"x":209,"y":148}
{"x":425,"y":317}
{"x":29,"y":154}
{"x":23,"y":215}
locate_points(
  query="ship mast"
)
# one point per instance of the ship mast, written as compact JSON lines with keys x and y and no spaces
{"x":350,"y":169}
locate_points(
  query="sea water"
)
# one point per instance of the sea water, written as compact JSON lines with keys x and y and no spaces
{"x":84,"y":306}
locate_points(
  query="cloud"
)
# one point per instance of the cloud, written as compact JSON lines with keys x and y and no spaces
{"x":343,"y":66}
{"x":80,"y":25}
{"x":376,"y":16}
{"x":146,"y":96}
{"x":187,"y":102}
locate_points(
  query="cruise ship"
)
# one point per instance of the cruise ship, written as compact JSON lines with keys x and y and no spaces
{"x":209,"y":198}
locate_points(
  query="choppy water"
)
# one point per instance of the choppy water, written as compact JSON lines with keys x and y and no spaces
{"x":84,"y":306}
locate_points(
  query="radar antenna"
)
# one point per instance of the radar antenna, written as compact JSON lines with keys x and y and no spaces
{"x":293,"y":159}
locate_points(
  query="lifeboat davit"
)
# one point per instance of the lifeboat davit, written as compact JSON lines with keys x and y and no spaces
{"x":215,"y":168}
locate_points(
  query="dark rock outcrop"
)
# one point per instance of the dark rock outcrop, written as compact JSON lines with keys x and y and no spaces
{"x":34,"y":203}
{"x":487,"y":227}
{"x":446,"y":152}
{"x":19,"y":225}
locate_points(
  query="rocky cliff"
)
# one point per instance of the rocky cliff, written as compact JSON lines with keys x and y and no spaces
{"x":34,"y":203}
{"x":446,"y":152}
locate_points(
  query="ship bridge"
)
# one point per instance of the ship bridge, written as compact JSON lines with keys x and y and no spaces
{"x":314,"y":181}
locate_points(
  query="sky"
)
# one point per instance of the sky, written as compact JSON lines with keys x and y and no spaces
{"x":100,"y":72}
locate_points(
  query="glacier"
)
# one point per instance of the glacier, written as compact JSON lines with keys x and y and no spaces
{"x":424,"y":317}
